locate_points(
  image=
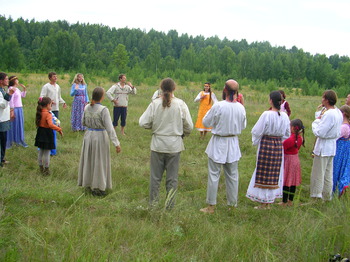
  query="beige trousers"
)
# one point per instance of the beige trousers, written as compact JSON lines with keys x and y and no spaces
{"x":321,"y":182}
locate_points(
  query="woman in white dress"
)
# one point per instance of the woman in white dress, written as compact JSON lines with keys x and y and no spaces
{"x":268,"y":133}
{"x":95,"y":162}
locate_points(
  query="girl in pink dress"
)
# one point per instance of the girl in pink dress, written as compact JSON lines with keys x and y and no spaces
{"x":292,"y":171}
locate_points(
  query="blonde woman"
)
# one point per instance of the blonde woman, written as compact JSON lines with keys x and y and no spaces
{"x":81,"y":98}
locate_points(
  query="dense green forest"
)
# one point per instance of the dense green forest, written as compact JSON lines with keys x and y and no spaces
{"x":32,"y":46}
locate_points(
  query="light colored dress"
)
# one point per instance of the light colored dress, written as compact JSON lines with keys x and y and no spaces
{"x":95,"y":162}
{"x":269,"y":124}
{"x":204,"y":107}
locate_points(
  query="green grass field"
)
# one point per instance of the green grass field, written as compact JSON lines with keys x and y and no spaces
{"x":52,"y":219}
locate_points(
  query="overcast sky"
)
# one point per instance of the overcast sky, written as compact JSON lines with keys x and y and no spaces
{"x":316,"y":26}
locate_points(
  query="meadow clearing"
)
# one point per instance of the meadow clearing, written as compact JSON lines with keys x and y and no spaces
{"x":52,"y":219}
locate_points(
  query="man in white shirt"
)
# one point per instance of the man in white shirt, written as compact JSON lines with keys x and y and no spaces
{"x":327,"y":131}
{"x":170,"y":120}
{"x":119,"y":95}
{"x":53,"y":90}
{"x":227,"y":119}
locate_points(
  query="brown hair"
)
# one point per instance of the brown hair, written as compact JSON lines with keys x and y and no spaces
{"x":121,"y":76}
{"x":283,"y":94}
{"x":51,"y":74}
{"x":97,"y":95}
{"x":207,"y":83}
{"x":2,"y":75}
{"x":168,"y":86}
{"x":331,"y":96}
{"x":345,"y":109}
{"x":12,"y":80}
{"x":42,"y":102}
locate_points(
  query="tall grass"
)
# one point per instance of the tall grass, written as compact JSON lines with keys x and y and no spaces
{"x":52,"y":219}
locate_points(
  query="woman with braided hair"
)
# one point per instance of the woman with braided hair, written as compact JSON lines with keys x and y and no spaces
{"x":292,"y":170}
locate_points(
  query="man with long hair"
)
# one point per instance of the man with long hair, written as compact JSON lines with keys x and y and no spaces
{"x":170,"y":120}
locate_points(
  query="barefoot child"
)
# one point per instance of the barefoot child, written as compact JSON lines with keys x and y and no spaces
{"x":292,"y":171}
{"x":44,"y":139}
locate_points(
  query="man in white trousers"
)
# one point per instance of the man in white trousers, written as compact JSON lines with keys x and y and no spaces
{"x":227,"y":119}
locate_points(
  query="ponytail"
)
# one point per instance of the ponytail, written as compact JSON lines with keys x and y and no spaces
{"x":298,"y":128}
{"x":42,"y":103}
{"x":276,"y":99}
{"x":168,"y":86}
{"x":230,"y":92}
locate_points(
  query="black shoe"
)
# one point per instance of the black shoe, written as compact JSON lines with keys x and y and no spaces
{"x":98,"y":192}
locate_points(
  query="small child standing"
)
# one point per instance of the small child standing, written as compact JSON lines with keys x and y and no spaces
{"x":44,"y":139}
{"x":292,"y":170}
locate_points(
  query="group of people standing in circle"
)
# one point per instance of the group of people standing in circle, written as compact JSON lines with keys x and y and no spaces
{"x":278,"y":140}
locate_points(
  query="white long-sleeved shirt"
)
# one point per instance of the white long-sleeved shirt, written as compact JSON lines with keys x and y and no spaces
{"x":271,"y":124}
{"x":54,"y":92}
{"x":227,"y":120}
{"x":327,"y":130}
{"x":167,"y":124}
{"x":213,"y":96}
{"x":4,"y":109}
{"x":120,"y":93}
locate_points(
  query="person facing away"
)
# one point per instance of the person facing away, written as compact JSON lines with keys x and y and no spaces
{"x":169,"y":119}
{"x":268,"y":133}
{"x":44,"y":138}
{"x":227,"y":119}
{"x":327,"y":131}
{"x":95,"y":162}
{"x":53,"y":90}
{"x":16,"y":133}
{"x":292,"y":170}
{"x":119,"y":95}
{"x":81,"y":98}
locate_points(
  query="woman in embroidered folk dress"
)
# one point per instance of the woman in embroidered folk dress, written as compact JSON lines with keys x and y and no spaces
{"x":206,"y":99}
{"x":16,"y":133}
{"x":292,"y":170}
{"x":81,"y":98}
{"x":268,"y":133}
{"x":341,"y":162}
{"x":95,"y":163}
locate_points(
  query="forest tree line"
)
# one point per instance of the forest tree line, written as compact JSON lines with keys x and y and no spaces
{"x":32,"y":46}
